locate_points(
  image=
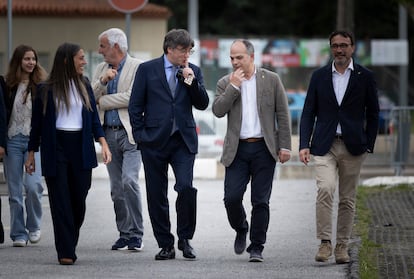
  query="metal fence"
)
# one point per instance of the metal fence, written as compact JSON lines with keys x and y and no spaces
{"x":394,"y":147}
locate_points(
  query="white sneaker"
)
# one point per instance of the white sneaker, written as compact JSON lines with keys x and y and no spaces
{"x":19,"y":243}
{"x":34,"y":237}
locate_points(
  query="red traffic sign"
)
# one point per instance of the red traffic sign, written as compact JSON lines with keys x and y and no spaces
{"x":128,"y":6}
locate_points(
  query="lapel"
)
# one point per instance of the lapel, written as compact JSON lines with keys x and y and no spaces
{"x":353,"y":80}
{"x":259,"y":88}
{"x":160,"y":71}
{"x":329,"y":82}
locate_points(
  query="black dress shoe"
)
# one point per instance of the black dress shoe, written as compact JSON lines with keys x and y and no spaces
{"x":166,"y":254}
{"x":188,"y":251}
{"x":240,"y":242}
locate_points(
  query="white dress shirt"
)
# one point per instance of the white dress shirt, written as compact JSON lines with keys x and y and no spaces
{"x":250,"y":125}
{"x":340,"y":83}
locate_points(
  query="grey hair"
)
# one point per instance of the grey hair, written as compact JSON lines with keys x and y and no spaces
{"x":116,"y":36}
{"x":249,"y":46}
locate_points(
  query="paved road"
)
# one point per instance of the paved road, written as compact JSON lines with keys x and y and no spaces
{"x":289,"y":251}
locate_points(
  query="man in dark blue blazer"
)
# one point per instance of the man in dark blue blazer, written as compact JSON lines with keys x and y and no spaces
{"x":339,"y":126}
{"x":164,"y":93}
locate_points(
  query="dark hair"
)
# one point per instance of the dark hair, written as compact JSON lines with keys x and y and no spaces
{"x":177,"y":37}
{"x":14,"y":74}
{"x":343,"y":33}
{"x":62,"y":73}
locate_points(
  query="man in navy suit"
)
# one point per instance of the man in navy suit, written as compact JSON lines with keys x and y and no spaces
{"x":338,"y":127}
{"x":164,"y":93}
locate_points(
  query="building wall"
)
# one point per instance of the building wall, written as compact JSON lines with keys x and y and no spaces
{"x":45,"y":34}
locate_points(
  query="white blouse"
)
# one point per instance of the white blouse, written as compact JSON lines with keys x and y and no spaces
{"x":70,"y":120}
{"x":21,"y":115}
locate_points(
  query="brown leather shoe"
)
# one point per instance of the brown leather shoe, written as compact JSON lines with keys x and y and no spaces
{"x":324,"y":252}
{"x":341,"y":253}
{"x":66,"y":261}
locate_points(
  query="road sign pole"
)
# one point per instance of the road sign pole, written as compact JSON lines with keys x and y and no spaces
{"x":128,"y":7}
{"x":128,"y":26}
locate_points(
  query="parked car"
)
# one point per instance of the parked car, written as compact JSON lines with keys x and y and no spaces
{"x":210,"y":144}
{"x":210,"y":130}
{"x":296,"y":100}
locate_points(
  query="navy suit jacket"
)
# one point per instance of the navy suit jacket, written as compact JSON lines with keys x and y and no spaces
{"x":357,"y":114}
{"x":43,"y":132}
{"x":152,"y":107}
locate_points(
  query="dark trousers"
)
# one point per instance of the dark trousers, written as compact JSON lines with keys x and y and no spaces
{"x":67,"y":193}
{"x":156,"y":162}
{"x":253,"y":161}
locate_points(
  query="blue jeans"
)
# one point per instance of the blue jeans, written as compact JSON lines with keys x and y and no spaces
{"x":17,"y":180}
{"x":125,"y":191}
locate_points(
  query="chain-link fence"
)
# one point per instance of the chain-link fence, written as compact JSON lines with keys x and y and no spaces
{"x":394,"y":147}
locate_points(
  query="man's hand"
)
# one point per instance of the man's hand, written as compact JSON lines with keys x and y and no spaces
{"x":304,"y":155}
{"x":237,"y":77}
{"x":109,"y":75}
{"x":188,"y":74}
{"x":284,"y":155}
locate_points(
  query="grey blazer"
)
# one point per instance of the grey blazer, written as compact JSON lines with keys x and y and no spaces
{"x":272,"y":107}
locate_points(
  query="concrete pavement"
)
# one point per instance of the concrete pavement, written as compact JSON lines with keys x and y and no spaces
{"x":289,"y":251}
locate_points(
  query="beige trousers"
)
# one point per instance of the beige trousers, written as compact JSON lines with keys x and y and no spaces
{"x":337,"y":167}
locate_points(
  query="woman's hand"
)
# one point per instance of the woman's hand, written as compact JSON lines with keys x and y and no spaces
{"x":30,"y":163}
{"x":106,"y":153}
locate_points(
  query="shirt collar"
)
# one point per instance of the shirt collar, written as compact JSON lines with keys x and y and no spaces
{"x":254,"y":74}
{"x":350,"y":66}
{"x":167,"y":63}
{"x":121,"y":64}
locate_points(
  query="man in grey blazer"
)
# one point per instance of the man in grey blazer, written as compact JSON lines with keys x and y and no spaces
{"x":258,"y":135}
{"x":112,"y":85}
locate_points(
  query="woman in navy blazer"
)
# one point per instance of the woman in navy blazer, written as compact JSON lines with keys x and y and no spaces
{"x":64,"y":124}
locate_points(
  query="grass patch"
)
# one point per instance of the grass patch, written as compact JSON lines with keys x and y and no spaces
{"x":368,"y":251}
{"x":367,"y":255}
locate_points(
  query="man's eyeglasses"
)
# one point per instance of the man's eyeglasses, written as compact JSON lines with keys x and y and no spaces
{"x":341,"y":46}
{"x":185,"y":50}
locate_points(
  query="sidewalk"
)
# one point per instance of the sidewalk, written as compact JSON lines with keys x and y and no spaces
{"x":289,"y":251}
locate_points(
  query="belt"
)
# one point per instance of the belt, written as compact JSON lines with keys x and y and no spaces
{"x":340,"y":137}
{"x":252,"y":139}
{"x":120,"y":127}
